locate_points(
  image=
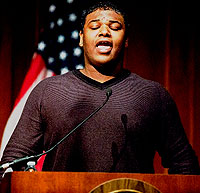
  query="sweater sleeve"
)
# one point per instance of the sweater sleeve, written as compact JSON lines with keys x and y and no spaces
{"x":174,"y":148}
{"x":27,"y":138}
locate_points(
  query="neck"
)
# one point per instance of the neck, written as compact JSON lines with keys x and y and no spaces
{"x":96,"y":75}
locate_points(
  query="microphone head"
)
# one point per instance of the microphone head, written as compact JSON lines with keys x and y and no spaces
{"x":108,"y":92}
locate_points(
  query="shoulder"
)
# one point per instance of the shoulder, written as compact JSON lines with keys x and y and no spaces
{"x":142,"y":83}
{"x":57,"y":78}
{"x":50,"y":84}
{"x":54,"y":80}
{"x":149,"y":88}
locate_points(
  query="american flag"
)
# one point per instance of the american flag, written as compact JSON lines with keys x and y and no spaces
{"x":59,"y":41}
{"x":57,"y":52}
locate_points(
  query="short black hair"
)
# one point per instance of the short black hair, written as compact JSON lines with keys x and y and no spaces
{"x":105,"y":5}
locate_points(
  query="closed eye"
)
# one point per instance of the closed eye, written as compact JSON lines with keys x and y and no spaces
{"x":115,"y":26}
{"x":94,"y":25}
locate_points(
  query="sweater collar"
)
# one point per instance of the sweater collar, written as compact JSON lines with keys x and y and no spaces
{"x":121,"y":76}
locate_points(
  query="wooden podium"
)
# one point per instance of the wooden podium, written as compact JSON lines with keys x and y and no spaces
{"x":78,"y":182}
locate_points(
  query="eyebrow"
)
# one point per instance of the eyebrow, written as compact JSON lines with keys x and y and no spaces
{"x":111,"y":21}
{"x":93,"y":20}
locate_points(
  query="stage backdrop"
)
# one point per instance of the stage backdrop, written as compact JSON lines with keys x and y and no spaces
{"x":164,"y":45}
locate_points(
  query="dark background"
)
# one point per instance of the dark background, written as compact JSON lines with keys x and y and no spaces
{"x":164,"y":46}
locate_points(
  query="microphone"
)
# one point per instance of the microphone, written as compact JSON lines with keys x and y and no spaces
{"x":28,"y":158}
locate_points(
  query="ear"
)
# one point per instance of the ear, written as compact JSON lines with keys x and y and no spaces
{"x":81,"y":38}
{"x":126,"y":43}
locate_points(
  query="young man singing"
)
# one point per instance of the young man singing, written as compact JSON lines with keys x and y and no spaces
{"x":139,"y":119}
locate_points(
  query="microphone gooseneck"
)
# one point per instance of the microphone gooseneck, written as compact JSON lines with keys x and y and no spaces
{"x":27,"y":158}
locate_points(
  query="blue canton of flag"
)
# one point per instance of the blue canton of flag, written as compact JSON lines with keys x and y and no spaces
{"x":59,"y":40}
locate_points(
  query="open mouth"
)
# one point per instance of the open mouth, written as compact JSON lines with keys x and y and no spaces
{"x":104,"y":47}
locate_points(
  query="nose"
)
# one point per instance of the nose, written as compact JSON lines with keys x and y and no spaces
{"x":104,"y":31}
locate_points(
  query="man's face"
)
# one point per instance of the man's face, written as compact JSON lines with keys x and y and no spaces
{"x":103,"y":37}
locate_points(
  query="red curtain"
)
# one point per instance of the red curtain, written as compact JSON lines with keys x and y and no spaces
{"x":164,"y":45}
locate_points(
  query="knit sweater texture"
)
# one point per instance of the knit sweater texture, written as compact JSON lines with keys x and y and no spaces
{"x":105,"y":143}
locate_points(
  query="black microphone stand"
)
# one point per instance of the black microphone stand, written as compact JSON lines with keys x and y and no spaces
{"x":34,"y":157}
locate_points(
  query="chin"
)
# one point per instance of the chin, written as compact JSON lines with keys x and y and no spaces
{"x":103,"y":60}
{"x":106,"y":67}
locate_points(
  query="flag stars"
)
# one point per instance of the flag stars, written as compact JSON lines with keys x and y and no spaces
{"x":64,"y":70}
{"x":60,"y":22}
{"x":50,"y":60}
{"x":63,"y":55}
{"x":70,"y":1}
{"x":61,"y":38}
{"x":52,"y":8}
{"x":77,"y":51}
{"x":74,"y":34}
{"x":41,"y":46}
{"x":60,"y":46}
{"x":72,"y":17}
{"x":79,"y":66}
{"x":52,"y":24}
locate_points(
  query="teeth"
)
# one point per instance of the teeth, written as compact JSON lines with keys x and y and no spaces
{"x":104,"y":49}
{"x":101,"y":46}
{"x":104,"y":44}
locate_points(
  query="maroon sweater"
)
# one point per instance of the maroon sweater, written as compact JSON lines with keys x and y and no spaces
{"x":103,"y":143}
